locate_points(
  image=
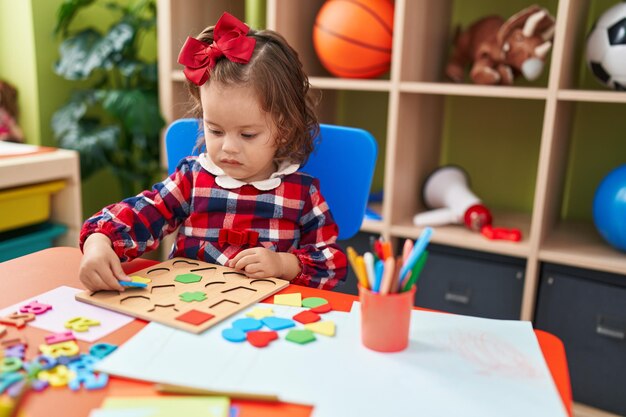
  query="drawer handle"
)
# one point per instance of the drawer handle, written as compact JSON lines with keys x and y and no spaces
{"x":603,"y":329}
{"x":457,"y":298}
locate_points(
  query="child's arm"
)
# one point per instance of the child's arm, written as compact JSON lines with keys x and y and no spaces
{"x":137,"y":224}
{"x":323,"y":263}
{"x":262,"y":263}
{"x":100,"y":268}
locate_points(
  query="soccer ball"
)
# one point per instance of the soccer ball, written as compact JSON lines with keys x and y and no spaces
{"x":606,"y":48}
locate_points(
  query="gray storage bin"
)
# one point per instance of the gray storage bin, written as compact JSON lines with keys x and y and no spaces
{"x":471,"y":283}
{"x":587,"y":311}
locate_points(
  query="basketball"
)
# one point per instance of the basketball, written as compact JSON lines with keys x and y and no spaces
{"x":352,"y":38}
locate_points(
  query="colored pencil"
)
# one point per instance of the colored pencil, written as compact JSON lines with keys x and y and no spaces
{"x":416,"y":252}
{"x":415,"y":272}
{"x":406,"y":249}
{"x":368,"y":257}
{"x":387,"y":250}
{"x":388,"y":274}
{"x":379,"y":267}
{"x":362,"y":274}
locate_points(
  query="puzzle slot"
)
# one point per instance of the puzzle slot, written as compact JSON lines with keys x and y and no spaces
{"x":224,"y":304}
{"x":262,"y":283}
{"x":214,"y":283}
{"x":208,"y":268}
{"x":177,"y":264}
{"x":158,"y":271}
{"x":235,"y":273}
{"x":240,"y":291}
{"x":162,"y":289}
{"x":160,"y":307}
{"x":135,"y":301}
{"x":105,"y":292}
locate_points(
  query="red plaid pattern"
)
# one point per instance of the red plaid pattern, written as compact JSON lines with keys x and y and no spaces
{"x":293,"y":217}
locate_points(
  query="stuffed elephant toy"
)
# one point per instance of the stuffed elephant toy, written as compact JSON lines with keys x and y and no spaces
{"x":500,"y":50}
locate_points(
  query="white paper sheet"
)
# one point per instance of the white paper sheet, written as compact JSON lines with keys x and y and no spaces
{"x":455,"y":365}
{"x":65,"y":307}
{"x":10,"y":148}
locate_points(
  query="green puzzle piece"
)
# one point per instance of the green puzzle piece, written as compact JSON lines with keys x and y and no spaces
{"x":192,"y":296}
{"x":188,"y":278}
{"x":312,"y":302}
{"x":300,"y":336}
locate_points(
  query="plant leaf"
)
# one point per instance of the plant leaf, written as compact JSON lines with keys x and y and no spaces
{"x":67,"y":116}
{"x":93,"y":143}
{"x":67,"y":12}
{"x":138,"y":110}
{"x":89,"y":50}
{"x":74,"y":52}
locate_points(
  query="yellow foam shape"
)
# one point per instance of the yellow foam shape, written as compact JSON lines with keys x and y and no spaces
{"x":326,"y":328}
{"x":294,"y":300}
{"x":259,"y":313}
{"x":136,"y":278}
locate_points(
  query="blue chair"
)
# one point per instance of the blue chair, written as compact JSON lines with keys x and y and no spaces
{"x":343,"y":160}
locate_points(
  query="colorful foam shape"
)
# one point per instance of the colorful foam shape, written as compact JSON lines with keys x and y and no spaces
{"x":39,"y":385}
{"x":17,"y":340}
{"x":137,"y":278}
{"x":234,"y":335}
{"x":189,"y":297}
{"x":84,"y":363}
{"x":261,"y":338}
{"x":15,"y":351}
{"x":260,"y":312}
{"x":132,"y":284}
{"x":278,"y":323}
{"x":312,"y":302}
{"x":195,"y":317}
{"x":101,"y":350}
{"x":294,"y":300}
{"x":188,"y":278}
{"x":326,"y":328}
{"x":59,"y":376}
{"x":69,"y":348}
{"x":18,"y":320}
{"x":35,"y":308}
{"x":247,"y":324}
{"x":300,"y":336}
{"x":53,"y":338}
{"x":324,"y":308}
{"x":80,"y":324}
{"x":306,"y":316}
{"x":10,"y":364}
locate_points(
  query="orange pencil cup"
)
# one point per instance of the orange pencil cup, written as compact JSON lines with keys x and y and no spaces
{"x":385,"y":319}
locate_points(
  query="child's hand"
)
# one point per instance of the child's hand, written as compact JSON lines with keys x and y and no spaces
{"x":264,"y":263}
{"x":100,"y":268}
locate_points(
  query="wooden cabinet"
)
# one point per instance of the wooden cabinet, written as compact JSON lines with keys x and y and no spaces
{"x":535,"y":151}
{"x":38,"y":168}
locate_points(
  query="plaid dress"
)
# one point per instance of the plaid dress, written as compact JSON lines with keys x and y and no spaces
{"x":291,"y":217}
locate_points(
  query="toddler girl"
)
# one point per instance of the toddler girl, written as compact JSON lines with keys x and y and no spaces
{"x":242,"y":203}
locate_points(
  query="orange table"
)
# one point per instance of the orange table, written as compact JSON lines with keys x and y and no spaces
{"x":40,"y":272}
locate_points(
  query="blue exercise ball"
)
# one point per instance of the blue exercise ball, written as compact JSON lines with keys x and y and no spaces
{"x":609,"y":208}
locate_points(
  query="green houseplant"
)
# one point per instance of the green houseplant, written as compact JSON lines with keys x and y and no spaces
{"x":112,"y":117}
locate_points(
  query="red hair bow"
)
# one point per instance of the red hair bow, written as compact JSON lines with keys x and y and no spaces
{"x":230,"y":40}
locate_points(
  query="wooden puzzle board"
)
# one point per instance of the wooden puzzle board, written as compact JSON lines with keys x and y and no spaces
{"x":226,"y":293}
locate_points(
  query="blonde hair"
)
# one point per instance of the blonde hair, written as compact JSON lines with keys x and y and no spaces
{"x":282,"y":87}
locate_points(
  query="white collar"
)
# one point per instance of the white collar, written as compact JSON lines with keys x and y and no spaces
{"x":230,"y":183}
